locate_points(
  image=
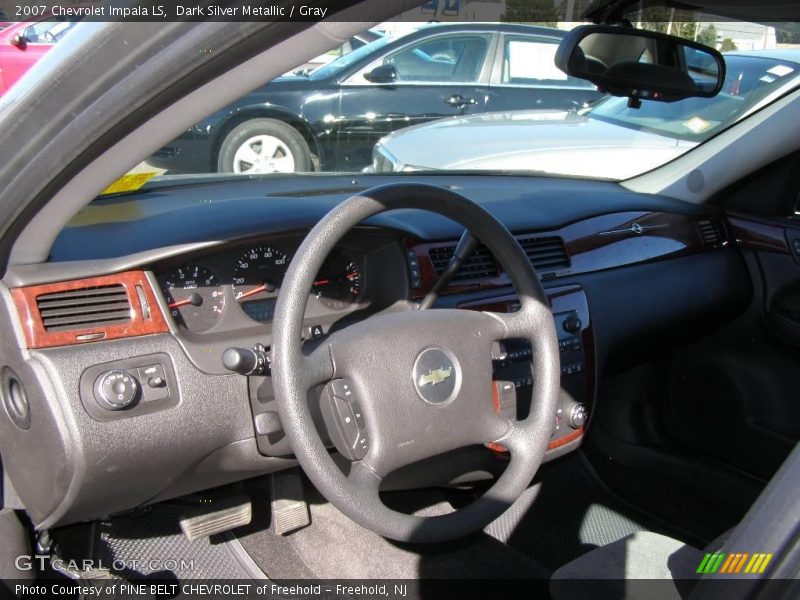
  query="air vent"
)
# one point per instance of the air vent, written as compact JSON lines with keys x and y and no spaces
{"x":84,"y":308}
{"x":546,"y":253}
{"x":712,"y":232}
{"x":480,"y":265}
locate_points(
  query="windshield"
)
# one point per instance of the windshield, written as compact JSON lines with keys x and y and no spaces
{"x":477,"y":97}
{"x":751,"y":80}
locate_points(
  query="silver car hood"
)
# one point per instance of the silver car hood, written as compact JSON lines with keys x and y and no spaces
{"x":556,"y":142}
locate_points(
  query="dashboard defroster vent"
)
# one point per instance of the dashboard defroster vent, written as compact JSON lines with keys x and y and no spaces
{"x":712,"y":232}
{"x":84,"y":308}
{"x":480,"y":265}
{"x":546,"y":253}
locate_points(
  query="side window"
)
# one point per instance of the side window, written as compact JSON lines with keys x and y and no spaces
{"x":449,"y":59}
{"x":528,"y":61}
{"x":48,"y":32}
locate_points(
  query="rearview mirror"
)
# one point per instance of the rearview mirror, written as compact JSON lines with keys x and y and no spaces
{"x":382,"y":74}
{"x":642,"y":65}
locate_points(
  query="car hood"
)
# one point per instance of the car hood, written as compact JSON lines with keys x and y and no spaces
{"x":550,"y":141}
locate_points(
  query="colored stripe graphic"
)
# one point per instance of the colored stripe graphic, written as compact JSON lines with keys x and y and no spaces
{"x":711,"y":563}
{"x":741,"y":562}
{"x":734,"y":563}
{"x":727,"y":566}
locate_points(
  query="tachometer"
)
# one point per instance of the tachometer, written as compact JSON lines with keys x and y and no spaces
{"x":339,"y":282}
{"x":194,"y":297}
{"x":257,"y":276}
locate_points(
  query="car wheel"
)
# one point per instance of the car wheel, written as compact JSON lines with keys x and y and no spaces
{"x":263,"y":146}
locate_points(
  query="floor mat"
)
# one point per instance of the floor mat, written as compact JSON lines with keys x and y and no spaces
{"x":333,"y":546}
{"x":149,"y":545}
{"x":566,"y":514}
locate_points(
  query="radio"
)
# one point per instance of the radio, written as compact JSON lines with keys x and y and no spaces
{"x":512,"y":363}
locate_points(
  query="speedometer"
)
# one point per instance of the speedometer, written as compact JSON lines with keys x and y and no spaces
{"x":257,"y":276}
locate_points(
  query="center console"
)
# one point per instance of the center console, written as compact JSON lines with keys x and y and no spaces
{"x":512,"y":365}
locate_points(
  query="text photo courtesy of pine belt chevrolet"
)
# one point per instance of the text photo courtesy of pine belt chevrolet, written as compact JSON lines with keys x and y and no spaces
{"x":420,"y":300}
{"x":330,"y":119}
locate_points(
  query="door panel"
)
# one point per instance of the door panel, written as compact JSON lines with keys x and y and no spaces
{"x":735,"y":394}
{"x":777,"y":248}
{"x":438,"y":77}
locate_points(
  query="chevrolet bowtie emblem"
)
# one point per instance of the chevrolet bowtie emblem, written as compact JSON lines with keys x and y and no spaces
{"x":435,"y":376}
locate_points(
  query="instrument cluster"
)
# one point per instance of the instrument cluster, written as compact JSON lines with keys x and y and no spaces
{"x":200,"y":292}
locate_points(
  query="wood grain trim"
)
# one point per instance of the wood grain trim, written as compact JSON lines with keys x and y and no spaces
{"x":562,"y":441}
{"x":37,"y":337}
{"x":602,"y":242}
{"x":758,"y":236}
{"x":552,"y":445}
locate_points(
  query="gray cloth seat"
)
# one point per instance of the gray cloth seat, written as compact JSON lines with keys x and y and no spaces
{"x":643,"y":565}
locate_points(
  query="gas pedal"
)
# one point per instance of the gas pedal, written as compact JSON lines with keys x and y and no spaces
{"x":289,"y":507}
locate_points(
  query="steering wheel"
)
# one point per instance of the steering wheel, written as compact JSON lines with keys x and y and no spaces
{"x":422,"y":378}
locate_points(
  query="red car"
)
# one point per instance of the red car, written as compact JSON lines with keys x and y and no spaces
{"x":22,"y":44}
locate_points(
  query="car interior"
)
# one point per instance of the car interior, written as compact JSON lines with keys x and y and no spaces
{"x":589,"y":385}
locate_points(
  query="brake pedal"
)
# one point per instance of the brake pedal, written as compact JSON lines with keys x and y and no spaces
{"x":289,"y":507}
{"x":236,"y":512}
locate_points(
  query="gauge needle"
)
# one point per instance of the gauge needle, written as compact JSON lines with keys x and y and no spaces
{"x":267,"y":287}
{"x":194,"y":300}
{"x":322,"y":282}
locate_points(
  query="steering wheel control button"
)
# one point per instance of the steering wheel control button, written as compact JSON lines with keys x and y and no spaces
{"x":578,"y":416}
{"x":356,"y":408}
{"x":436,"y":376}
{"x":341,"y":412}
{"x":115,"y":390}
{"x":342,"y":389}
{"x":413,"y":270}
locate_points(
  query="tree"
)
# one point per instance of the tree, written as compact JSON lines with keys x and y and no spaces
{"x":531,"y":11}
{"x":727,"y":45}
{"x":687,"y":30}
{"x":708,"y":36}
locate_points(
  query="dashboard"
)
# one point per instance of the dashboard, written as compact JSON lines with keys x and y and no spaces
{"x":226,"y":296}
{"x":247,"y":280}
{"x":174,"y":287}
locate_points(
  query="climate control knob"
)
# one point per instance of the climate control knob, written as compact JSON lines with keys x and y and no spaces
{"x":115,"y":390}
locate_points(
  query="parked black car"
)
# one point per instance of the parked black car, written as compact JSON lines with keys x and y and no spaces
{"x":331,"y":118}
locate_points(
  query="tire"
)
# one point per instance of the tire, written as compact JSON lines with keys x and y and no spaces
{"x":243,"y":149}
